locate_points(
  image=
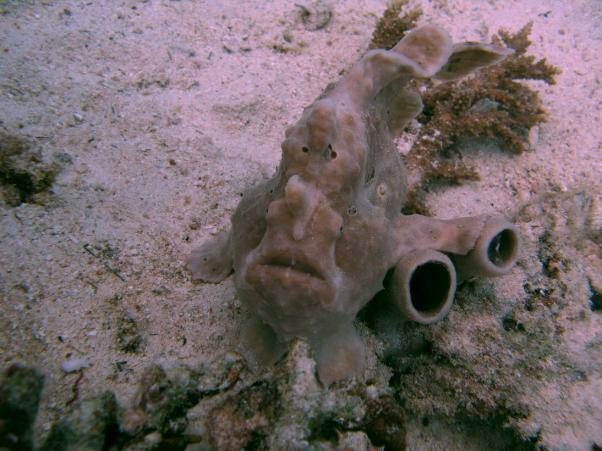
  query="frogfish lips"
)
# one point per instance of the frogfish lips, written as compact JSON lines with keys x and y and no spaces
{"x":289,"y":282}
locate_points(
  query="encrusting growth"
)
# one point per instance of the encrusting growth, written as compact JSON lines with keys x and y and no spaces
{"x":312,"y":245}
{"x":391,"y":27}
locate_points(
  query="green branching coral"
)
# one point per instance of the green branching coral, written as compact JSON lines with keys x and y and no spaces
{"x":493,"y":104}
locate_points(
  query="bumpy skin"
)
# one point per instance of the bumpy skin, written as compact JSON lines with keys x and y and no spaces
{"x":311,"y":246}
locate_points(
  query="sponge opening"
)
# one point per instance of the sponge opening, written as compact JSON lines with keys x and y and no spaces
{"x":430,"y":285}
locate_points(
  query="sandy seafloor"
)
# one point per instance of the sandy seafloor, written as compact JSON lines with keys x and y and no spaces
{"x":170,"y":109}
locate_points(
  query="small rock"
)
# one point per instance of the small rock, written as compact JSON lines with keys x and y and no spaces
{"x":63,"y":157}
{"x":154,"y":438}
{"x":372,"y":392}
{"x":533,"y":136}
{"x":72,"y":365}
{"x":212,"y":230}
{"x":315,"y":16}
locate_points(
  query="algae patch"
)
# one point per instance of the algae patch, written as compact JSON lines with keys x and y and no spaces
{"x":24,"y":176}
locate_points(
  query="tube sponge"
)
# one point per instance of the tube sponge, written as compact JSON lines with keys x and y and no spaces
{"x":494,"y":253}
{"x":424,"y":284}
